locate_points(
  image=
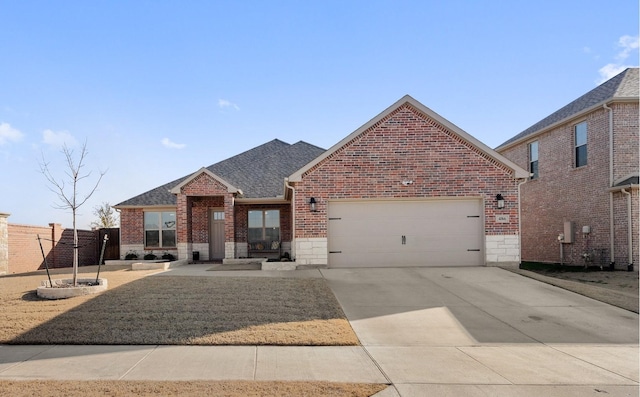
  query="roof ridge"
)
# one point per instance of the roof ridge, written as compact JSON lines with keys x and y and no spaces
{"x":605,"y":91}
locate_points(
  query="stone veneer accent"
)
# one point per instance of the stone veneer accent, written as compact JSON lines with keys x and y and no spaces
{"x":311,"y":251}
{"x":502,"y":250}
{"x":242,"y":249}
{"x":229,"y":250}
{"x":203,"y":249}
{"x":4,"y":244}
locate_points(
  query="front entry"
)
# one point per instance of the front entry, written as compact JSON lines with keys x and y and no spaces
{"x":216,"y":234}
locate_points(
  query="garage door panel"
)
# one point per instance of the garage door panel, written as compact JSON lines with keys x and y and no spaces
{"x":405,"y":233}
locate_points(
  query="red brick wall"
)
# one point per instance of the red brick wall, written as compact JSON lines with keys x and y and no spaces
{"x":565,"y":193}
{"x":406,"y":145}
{"x":25,"y":254}
{"x":200,"y":207}
{"x":132,"y":226}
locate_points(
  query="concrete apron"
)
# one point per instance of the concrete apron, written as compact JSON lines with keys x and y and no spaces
{"x":429,"y":331}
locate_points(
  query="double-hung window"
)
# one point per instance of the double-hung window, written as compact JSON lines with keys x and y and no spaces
{"x":533,"y":159}
{"x":264,"y":225}
{"x":160,"y":229}
{"x":580,"y":140}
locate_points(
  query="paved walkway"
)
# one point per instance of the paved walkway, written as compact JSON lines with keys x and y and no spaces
{"x":444,"y":331}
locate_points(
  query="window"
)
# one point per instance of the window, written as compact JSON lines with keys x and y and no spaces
{"x":160,"y":229}
{"x":264,"y":225}
{"x":533,"y":159}
{"x":580,"y":134}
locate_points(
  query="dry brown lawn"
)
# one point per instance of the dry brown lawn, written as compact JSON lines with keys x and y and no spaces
{"x":137,"y":309}
{"x":192,"y":388}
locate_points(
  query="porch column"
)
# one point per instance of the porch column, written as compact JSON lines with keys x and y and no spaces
{"x":4,"y":244}
{"x":183,"y":227}
{"x":229,"y":227}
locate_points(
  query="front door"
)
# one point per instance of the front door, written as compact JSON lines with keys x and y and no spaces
{"x":216,"y":234}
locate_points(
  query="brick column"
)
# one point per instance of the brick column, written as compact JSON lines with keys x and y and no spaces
{"x":4,"y":244}
{"x":229,"y":227}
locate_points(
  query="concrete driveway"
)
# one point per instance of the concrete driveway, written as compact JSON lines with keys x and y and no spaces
{"x":487,"y":331}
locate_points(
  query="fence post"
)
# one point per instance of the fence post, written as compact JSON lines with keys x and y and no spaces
{"x":56,"y":235}
{"x":4,"y":243}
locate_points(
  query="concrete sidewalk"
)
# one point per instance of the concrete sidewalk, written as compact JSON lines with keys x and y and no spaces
{"x":446,"y":332}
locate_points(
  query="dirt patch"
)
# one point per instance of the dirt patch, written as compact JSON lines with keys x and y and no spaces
{"x":618,"y":288}
{"x":191,"y":388}
{"x":177,"y":311}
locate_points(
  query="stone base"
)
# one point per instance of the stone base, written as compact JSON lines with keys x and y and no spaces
{"x":47,"y":292}
{"x":278,"y":265}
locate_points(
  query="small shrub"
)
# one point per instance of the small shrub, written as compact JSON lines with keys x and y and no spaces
{"x":131,"y":255}
{"x":150,"y":256}
{"x":168,"y":256}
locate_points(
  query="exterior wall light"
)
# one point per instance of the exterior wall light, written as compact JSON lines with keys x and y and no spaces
{"x":500,"y":201}
{"x":312,"y":204}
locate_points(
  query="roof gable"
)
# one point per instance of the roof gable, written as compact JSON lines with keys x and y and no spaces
{"x":624,"y":86}
{"x":230,"y":188}
{"x":425,"y":112}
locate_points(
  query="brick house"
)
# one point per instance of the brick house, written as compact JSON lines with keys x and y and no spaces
{"x":581,"y":203}
{"x":408,"y":188}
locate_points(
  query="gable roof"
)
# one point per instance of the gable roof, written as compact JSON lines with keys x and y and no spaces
{"x":623,"y":86}
{"x":258,"y":172}
{"x":408,"y":100}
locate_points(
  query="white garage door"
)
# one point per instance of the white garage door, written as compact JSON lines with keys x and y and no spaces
{"x":405,"y":233}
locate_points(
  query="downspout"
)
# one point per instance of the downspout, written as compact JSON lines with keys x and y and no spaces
{"x":293,"y":217}
{"x":612,"y":234}
{"x":629,"y":229}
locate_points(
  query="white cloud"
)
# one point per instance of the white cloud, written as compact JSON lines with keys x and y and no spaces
{"x":58,"y":139}
{"x":9,"y":134}
{"x":627,"y":45}
{"x":223,"y":104}
{"x":166,"y":142}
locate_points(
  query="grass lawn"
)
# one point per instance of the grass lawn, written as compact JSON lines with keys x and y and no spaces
{"x":192,"y":388}
{"x":137,"y":309}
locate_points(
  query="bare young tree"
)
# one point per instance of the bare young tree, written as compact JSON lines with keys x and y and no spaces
{"x":67,"y":190}
{"x":106,"y":216}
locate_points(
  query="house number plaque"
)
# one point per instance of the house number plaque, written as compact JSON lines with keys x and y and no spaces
{"x":502,"y":218}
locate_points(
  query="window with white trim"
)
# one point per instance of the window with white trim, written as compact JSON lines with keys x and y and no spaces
{"x":580,"y":140}
{"x":533,"y":159}
{"x":160,"y":229}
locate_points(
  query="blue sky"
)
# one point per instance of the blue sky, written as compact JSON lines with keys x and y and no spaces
{"x":159,"y":89}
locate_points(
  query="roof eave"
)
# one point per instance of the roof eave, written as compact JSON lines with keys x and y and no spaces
{"x":126,"y":207}
{"x":574,"y":116}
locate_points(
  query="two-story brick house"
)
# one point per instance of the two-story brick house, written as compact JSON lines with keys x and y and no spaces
{"x":408,"y":188}
{"x":581,"y":204}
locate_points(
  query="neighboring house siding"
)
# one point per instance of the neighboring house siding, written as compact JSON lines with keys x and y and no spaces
{"x":626,"y":156}
{"x":563,"y":192}
{"x":406,"y":145}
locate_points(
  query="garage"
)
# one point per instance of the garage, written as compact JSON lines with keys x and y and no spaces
{"x":405,"y":233}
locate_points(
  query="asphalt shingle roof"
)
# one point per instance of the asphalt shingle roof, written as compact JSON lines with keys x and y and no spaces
{"x":624,"y":85}
{"x":258,"y":172}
